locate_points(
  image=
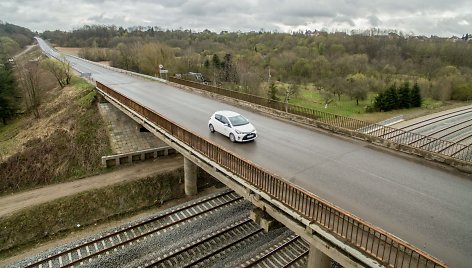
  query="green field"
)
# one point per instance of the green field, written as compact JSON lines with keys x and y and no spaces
{"x":310,"y":97}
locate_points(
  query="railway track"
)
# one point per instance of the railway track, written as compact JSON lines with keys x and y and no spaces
{"x":436,"y":119}
{"x":452,"y":140}
{"x":291,"y":252}
{"x":200,"y":252}
{"x":402,"y":131}
{"x":445,"y":133}
{"x":126,"y":236}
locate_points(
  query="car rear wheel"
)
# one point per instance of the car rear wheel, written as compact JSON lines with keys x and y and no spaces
{"x":212,"y":129}
{"x":231,"y":137}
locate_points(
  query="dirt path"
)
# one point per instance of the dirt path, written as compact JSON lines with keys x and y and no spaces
{"x":15,"y":202}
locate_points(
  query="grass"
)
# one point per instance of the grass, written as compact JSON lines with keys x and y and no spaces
{"x":7,"y":135}
{"x":310,"y":97}
{"x":70,"y":150}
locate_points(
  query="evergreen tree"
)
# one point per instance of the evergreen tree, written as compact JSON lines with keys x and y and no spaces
{"x":391,"y":98}
{"x":228,"y":72}
{"x":379,"y":102}
{"x":8,"y":100}
{"x":272,"y":93}
{"x":206,"y":63}
{"x":216,"y":61}
{"x":415,"y":96}
{"x":404,"y":96}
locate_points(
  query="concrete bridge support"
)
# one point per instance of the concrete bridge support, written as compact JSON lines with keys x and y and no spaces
{"x":190,"y":177}
{"x":317,"y":259}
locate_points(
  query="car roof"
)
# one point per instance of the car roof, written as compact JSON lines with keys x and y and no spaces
{"x":227,"y":113}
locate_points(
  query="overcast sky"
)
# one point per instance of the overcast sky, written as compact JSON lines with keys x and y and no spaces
{"x":420,"y":17}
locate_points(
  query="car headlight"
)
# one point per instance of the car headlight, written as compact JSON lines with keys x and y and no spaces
{"x":237,"y":131}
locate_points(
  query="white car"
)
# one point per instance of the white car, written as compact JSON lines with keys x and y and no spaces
{"x":232,"y":125}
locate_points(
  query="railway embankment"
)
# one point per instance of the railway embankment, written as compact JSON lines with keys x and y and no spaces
{"x":75,"y":211}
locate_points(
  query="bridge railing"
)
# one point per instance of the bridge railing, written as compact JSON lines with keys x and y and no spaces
{"x":371,"y":240}
{"x":430,"y":144}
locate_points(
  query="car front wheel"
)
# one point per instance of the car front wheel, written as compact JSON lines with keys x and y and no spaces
{"x":212,"y":129}
{"x":231,"y":137}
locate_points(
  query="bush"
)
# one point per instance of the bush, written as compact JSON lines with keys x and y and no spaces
{"x":462,"y":93}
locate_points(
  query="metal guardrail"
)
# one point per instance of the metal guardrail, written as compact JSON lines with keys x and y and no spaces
{"x":443,"y":147}
{"x":371,"y":240}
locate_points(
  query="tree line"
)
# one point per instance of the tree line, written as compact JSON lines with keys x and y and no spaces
{"x":336,"y":63}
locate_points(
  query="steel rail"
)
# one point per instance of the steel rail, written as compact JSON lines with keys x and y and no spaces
{"x":459,"y":112}
{"x":448,"y":133}
{"x":462,"y":139}
{"x":290,"y":263}
{"x":367,"y":238}
{"x":446,"y":128}
{"x":428,"y":124}
{"x":132,"y":227}
{"x":469,"y":148}
{"x":225,"y":247}
{"x":208,"y":238}
{"x":273,"y":251}
{"x":447,"y":115}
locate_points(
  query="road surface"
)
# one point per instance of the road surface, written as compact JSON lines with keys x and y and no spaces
{"x":428,"y":207}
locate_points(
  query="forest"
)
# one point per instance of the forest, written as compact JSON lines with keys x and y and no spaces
{"x":371,"y":69}
{"x":337,"y":65}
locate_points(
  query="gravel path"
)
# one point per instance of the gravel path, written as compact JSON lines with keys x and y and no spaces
{"x":15,"y":202}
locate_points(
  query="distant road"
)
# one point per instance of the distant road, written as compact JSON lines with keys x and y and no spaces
{"x":430,"y":208}
{"x":28,"y":48}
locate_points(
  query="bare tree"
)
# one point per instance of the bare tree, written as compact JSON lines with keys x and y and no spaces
{"x":29,"y":78}
{"x":60,"y":69}
{"x":67,"y":70}
{"x":290,"y":91}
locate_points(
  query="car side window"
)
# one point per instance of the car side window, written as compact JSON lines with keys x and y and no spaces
{"x":218,"y":117}
{"x":224,"y":120}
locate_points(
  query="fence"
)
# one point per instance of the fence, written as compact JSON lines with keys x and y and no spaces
{"x":369,"y":239}
{"x":447,"y":148}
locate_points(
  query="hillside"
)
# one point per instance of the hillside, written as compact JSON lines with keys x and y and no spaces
{"x":66,"y":141}
{"x":13,"y":39}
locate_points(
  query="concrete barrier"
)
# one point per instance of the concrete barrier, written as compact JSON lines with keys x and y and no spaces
{"x":127,"y":158}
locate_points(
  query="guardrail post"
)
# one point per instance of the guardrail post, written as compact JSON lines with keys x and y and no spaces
{"x":190,"y":177}
{"x":318,"y":259}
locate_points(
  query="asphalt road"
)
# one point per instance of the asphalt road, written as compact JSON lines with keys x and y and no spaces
{"x":430,"y":208}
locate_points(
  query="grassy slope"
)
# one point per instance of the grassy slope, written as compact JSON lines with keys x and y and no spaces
{"x":61,"y":216}
{"x":66,"y":142}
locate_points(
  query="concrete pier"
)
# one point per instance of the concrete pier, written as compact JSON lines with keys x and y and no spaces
{"x":190,"y":175}
{"x":317,"y":259}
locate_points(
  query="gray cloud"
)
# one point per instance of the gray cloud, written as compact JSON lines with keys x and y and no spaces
{"x":434,"y":17}
{"x":374,"y":21}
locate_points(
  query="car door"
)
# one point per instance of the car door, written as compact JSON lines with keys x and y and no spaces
{"x":218,"y":124}
{"x":226,"y":127}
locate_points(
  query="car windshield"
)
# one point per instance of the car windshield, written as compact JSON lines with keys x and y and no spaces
{"x":238,"y":120}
